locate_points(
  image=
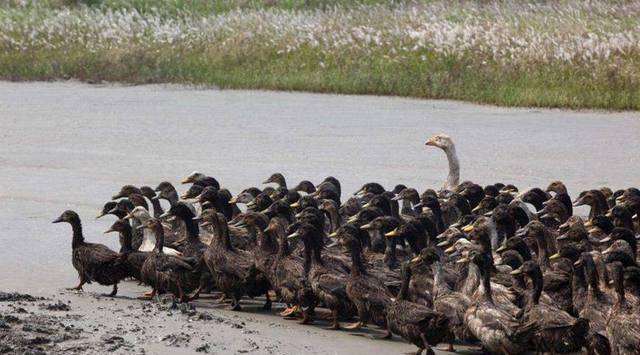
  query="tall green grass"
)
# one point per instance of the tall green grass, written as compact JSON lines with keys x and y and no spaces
{"x":524,"y":57}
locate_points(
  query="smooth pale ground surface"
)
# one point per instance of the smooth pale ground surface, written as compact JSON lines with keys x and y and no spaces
{"x":71,"y":146}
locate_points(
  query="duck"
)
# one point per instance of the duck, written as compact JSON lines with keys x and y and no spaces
{"x":134,"y":259}
{"x":623,"y":325}
{"x":233,"y":269}
{"x":445,"y":143}
{"x":92,"y":261}
{"x":556,"y":331}
{"x":278,"y":179}
{"x":149,"y":193}
{"x":560,"y":190}
{"x":367,"y":292}
{"x":198,"y":178}
{"x":416,"y":323}
{"x":149,"y":238}
{"x":287,"y":270}
{"x":326,"y":281}
{"x":495,"y":327}
{"x":167,"y":273}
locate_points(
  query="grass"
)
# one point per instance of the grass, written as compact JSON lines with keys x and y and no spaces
{"x":568,"y":54}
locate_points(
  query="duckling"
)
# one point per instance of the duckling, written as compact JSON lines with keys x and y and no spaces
{"x":94,"y":262}
{"x":133,"y":258}
{"x":367,"y":292}
{"x":203,"y":180}
{"x":555,"y":330}
{"x":445,"y":143}
{"x":490,"y":321}
{"x":623,"y":325}
{"x":415,"y":323}
{"x":167,"y":273}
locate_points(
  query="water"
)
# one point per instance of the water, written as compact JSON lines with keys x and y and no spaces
{"x":71,"y":146}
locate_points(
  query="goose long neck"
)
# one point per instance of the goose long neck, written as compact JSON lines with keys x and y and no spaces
{"x":453,"y":179}
{"x":78,"y":237}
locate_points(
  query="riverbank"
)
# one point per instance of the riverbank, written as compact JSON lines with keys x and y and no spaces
{"x":566,"y":54}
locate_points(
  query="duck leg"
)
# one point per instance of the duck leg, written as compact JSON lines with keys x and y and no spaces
{"x":306,"y":317}
{"x":426,"y":345}
{"x":79,"y":287}
{"x":267,"y":303}
{"x":114,"y":291}
{"x":336,"y":324}
{"x":235,"y":304}
{"x":148,"y":295}
{"x":362,"y":321}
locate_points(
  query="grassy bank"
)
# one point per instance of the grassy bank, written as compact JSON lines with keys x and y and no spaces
{"x":568,"y":54}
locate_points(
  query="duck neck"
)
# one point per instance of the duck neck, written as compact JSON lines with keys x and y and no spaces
{"x":439,"y":285}
{"x":406,"y":279}
{"x":159,"y":232}
{"x":193,"y":231}
{"x":268,"y":242}
{"x":390,"y":257}
{"x":334,"y":219}
{"x":78,"y":238}
{"x":223,"y":236}
{"x":357,"y":266}
{"x":126,"y":240}
{"x":157,"y":208}
{"x":536,"y":279}
{"x":453,"y":179}
{"x":486,"y":284}
{"x":283,"y":246}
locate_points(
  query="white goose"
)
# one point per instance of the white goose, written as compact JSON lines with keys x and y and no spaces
{"x":148,"y":238}
{"x":445,"y":143}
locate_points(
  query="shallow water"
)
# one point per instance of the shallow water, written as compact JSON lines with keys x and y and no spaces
{"x":71,"y":146}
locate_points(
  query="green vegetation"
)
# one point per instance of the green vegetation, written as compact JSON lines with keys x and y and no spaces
{"x":576,"y":55}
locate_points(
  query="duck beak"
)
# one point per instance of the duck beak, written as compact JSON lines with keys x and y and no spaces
{"x":605,"y":239}
{"x":468,"y":228}
{"x":554,"y":256}
{"x":100,"y":215}
{"x":606,"y":251}
{"x":206,"y":204}
{"x":165,"y":215}
{"x":293,"y":235}
{"x":186,"y":180}
{"x":366,"y":205}
{"x":251,"y":204}
{"x":430,"y":142}
{"x":333,"y":235}
{"x":450,"y":249}
{"x":476,"y":209}
{"x":233,"y":200}
{"x":501,"y":249}
{"x":197,"y":218}
{"x":352,"y":219}
{"x":488,"y":214}
{"x":113,"y":210}
{"x":57,"y":220}
{"x":205,"y":223}
{"x":128,"y":216}
{"x":443,"y":244}
{"x":110,"y":230}
{"x":609,"y":214}
{"x":416,"y":260}
{"x":517,"y":271}
{"x":594,"y":230}
{"x":546,"y":215}
{"x":266,"y":230}
{"x":544,"y":203}
{"x":419,"y":205}
{"x":166,"y":226}
{"x":393,"y":233}
{"x":620,"y":199}
{"x":184,"y":196}
{"x":564,"y":225}
{"x":563,"y":237}
{"x":295,"y":204}
{"x":578,"y":262}
{"x":365,"y":226}
{"x":588,"y":224}
{"x":462,"y":260}
{"x":140,"y":227}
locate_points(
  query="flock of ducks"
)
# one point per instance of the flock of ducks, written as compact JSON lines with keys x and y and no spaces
{"x":513,"y":271}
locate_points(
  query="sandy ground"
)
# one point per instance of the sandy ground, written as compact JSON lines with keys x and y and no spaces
{"x":71,"y":146}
